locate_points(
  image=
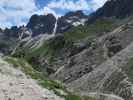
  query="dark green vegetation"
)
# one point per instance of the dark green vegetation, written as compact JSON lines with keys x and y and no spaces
{"x":47,"y":54}
{"x":74,"y":97}
{"x":50,"y":48}
{"x":97,"y":28}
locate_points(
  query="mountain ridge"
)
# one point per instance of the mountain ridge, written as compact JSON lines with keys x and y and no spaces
{"x":91,"y":55}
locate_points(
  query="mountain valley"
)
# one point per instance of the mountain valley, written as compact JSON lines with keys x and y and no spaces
{"x":73,"y":57}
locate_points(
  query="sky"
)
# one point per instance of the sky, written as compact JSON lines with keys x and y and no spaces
{"x":18,"y":12}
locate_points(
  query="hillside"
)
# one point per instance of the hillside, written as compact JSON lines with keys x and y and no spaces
{"x":73,"y":57}
{"x":15,"y":85}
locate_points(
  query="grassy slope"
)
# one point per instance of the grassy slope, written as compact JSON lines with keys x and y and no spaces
{"x":81,"y":32}
{"x":54,"y":85}
{"x":50,"y":48}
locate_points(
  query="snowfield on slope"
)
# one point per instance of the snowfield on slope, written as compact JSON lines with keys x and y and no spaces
{"x":14,"y":85}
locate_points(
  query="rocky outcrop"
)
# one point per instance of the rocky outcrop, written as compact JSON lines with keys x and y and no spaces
{"x":95,"y":53}
{"x":113,"y":8}
{"x":112,"y":52}
{"x":42,"y":24}
{"x":108,"y":77}
{"x":71,"y":19}
{"x":81,"y":64}
{"x":45,"y":23}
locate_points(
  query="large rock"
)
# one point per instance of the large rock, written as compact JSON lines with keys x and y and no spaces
{"x":42,"y":24}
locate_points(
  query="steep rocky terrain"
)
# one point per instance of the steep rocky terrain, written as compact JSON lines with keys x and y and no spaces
{"x":91,"y":55}
{"x":113,"y":8}
{"x":109,"y":77}
{"x":42,"y":24}
{"x":92,"y":66}
{"x":70,"y":20}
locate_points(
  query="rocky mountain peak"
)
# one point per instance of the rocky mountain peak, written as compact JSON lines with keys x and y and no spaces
{"x":70,"y":20}
{"x":113,"y":8}
{"x":78,"y":13}
{"x":41,"y":24}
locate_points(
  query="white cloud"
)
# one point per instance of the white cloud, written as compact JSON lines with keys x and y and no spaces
{"x":46,"y":10}
{"x":14,"y":12}
{"x":78,"y":5}
{"x":97,"y":4}
{"x":69,"y":5}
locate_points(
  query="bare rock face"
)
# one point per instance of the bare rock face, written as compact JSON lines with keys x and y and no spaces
{"x":102,"y":69}
{"x":109,"y":77}
{"x":70,"y":20}
{"x":113,"y":45}
{"x":113,"y":8}
{"x":80,"y":64}
{"x":41,"y":24}
{"x":14,"y":85}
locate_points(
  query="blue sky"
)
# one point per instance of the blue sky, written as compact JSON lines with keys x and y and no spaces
{"x":18,"y":12}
